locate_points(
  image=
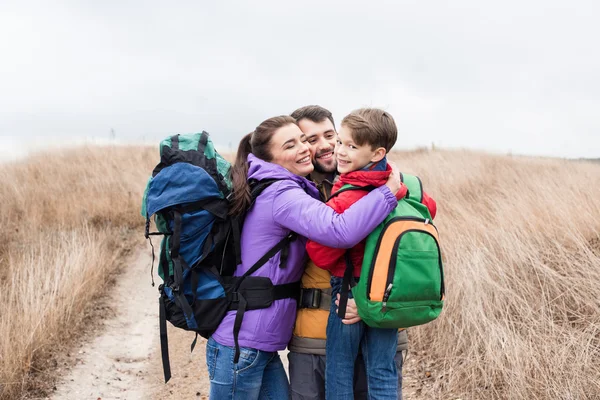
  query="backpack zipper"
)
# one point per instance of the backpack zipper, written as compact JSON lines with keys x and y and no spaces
{"x":386,"y":296}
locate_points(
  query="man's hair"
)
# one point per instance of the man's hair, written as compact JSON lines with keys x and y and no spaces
{"x":313,"y":113}
{"x":372,"y":126}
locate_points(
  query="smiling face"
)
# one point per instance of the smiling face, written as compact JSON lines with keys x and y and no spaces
{"x":352,"y":157}
{"x":289,"y":149}
{"x":321,"y":139}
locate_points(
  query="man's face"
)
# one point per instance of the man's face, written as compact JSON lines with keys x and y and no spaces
{"x":321,"y":140}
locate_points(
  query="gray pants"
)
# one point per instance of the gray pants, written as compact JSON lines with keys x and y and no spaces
{"x":307,"y":377}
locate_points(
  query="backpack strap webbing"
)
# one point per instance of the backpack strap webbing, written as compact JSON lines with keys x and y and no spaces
{"x":348,"y":282}
{"x":175,"y":142}
{"x":216,"y":206}
{"x":178,"y":267}
{"x":414,"y":186}
{"x":164,"y":341}
{"x":256,"y":188}
{"x":347,"y":187}
{"x":211,"y":166}
{"x":242,"y":302}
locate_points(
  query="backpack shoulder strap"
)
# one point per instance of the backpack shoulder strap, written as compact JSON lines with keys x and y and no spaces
{"x":414,"y":185}
{"x":348,"y":187}
{"x":257,"y":187}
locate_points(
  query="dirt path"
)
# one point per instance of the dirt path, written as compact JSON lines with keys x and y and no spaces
{"x":123,"y":361}
{"x":113,"y":365}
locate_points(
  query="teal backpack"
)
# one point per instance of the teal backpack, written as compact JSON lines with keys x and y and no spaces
{"x":189,"y":197}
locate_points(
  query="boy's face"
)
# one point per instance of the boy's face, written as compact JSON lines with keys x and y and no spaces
{"x":321,"y":138}
{"x":352,"y":157}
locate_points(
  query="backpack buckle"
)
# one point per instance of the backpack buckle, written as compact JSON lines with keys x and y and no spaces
{"x":310,"y":298}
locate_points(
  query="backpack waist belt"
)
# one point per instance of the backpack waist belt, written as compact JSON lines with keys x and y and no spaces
{"x":260,"y":293}
{"x":314,"y":299}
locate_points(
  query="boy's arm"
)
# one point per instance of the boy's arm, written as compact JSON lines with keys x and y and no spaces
{"x":323,"y":256}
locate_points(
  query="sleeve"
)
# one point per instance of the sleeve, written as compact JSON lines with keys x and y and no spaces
{"x":299,"y":212}
{"x":326,"y":257}
{"x":431,"y":204}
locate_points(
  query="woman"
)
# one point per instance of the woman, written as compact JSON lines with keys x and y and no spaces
{"x":277,"y":150}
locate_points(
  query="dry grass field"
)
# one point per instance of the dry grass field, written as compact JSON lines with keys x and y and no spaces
{"x":65,"y":218}
{"x":521,"y":238}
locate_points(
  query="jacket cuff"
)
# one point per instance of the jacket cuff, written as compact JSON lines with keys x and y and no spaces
{"x":390,"y":197}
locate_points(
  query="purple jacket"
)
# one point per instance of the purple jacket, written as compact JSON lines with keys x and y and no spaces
{"x":292,"y":204}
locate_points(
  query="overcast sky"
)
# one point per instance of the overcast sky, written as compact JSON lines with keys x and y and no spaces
{"x":504,"y":76}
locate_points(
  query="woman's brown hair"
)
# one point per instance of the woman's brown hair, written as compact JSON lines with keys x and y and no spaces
{"x":257,"y":143}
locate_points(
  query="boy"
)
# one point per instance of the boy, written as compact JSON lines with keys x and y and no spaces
{"x":364,"y":139}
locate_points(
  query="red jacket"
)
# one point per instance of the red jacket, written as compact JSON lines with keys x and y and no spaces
{"x":333,"y":259}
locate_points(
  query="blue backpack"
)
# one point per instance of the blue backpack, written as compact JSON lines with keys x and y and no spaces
{"x":188,"y":195}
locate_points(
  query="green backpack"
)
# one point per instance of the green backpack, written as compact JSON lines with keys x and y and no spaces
{"x":402,"y":278}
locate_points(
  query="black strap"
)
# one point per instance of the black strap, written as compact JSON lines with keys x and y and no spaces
{"x":369,"y":188}
{"x":175,"y":142}
{"x":164,"y":342}
{"x":207,"y":247}
{"x":163,"y":258}
{"x":193,"y":345}
{"x":237,"y":222}
{"x":242,"y":303}
{"x":178,"y":266}
{"x":259,"y":299}
{"x":283,"y":257}
{"x":237,"y":325}
{"x":194,"y":280}
{"x":211,"y":165}
{"x":217,"y":207}
{"x":202,"y":142}
{"x":347,"y":283}
{"x":287,"y":291}
{"x":236,"y":230}
{"x":274,"y":250}
{"x":283,"y":291}
{"x":175,"y":243}
{"x":257,"y":187}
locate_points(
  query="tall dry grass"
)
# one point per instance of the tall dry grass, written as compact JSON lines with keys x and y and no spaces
{"x":65,"y":219}
{"x":522,"y":262}
{"x":521,"y":238}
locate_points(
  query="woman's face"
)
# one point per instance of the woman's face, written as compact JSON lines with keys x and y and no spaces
{"x":289,"y":149}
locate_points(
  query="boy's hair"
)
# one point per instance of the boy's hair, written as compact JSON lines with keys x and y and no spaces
{"x":313,"y":113}
{"x":372,"y":126}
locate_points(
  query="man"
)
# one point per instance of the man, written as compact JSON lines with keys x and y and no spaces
{"x":307,"y":347}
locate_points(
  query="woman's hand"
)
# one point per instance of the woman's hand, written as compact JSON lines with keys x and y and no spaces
{"x":352,"y":316}
{"x":393,"y":182}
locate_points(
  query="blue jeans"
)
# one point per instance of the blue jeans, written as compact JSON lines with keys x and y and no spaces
{"x":378,"y":349}
{"x":257,"y":375}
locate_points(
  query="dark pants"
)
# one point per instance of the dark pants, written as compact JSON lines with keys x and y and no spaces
{"x":307,"y":377}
